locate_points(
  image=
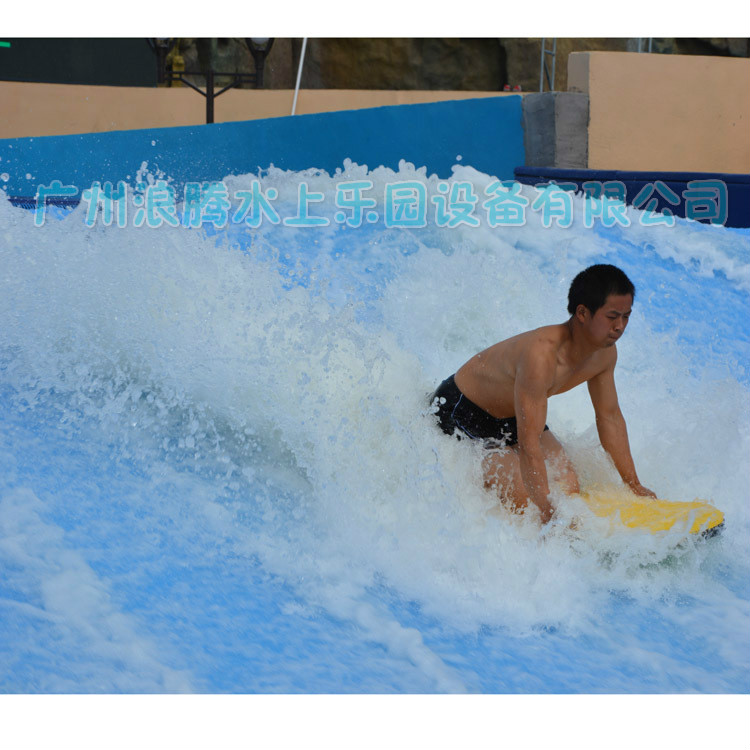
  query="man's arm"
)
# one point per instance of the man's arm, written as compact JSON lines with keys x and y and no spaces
{"x":534,"y":376}
{"x":613,"y":432}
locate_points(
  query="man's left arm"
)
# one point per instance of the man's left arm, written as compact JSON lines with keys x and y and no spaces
{"x":613,"y":432}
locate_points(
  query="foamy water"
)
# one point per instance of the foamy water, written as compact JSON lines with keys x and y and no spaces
{"x":218,"y":471}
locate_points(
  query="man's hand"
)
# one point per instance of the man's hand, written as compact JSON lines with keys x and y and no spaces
{"x":546,"y":513}
{"x":638,"y":489}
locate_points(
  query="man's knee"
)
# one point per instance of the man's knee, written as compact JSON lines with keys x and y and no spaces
{"x":494,"y":468}
{"x":501,"y":469}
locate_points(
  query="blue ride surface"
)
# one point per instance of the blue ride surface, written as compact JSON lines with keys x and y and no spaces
{"x":218,"y":472}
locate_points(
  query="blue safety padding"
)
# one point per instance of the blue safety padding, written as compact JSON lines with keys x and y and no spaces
{"x":485,"y":133}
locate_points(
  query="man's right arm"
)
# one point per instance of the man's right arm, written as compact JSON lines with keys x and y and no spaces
{"x":534,"y":376}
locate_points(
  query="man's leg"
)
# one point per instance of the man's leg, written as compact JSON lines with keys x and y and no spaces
{"x":559,"y":466}
{"x":502,"y":472}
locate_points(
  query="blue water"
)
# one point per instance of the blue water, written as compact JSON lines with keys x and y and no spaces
{"x":217,"y":473}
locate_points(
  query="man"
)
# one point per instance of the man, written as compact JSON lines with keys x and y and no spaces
{"x":500,"y":395}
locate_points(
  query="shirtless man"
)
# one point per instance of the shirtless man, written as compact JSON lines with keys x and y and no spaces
{"x":500,"y":395}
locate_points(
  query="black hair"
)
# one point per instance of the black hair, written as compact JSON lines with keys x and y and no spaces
{"x":594,"y":284}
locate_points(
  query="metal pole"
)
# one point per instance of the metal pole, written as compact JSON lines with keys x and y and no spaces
{"x":554,"y":62}
{"x":209,"y":96}
{"x":541,"y":70}
{"x":543,"y":67}
{"x":260,"y":64}
{"x":299,"y":74}
{"x":644,"y":47}
{"x":210,"y":81}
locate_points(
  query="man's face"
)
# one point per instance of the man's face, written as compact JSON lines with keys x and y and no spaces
{"x":608,"y":323}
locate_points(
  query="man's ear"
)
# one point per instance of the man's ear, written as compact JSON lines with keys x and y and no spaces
{"x":582,"y":312}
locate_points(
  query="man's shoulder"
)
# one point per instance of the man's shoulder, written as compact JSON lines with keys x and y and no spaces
{"x":603,"y":360}
{"x":538,"y":348}
{"x":544,"y":341}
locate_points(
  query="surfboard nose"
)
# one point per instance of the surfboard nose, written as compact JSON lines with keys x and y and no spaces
{"x":713,"y":531}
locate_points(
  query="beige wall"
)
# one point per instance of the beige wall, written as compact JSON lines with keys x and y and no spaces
{"x":665,"y":112}
{"x":36,"y":109}
{"x":647,"y":111}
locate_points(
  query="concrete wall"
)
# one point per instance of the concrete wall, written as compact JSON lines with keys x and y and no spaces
{"x":36,"y":109}
{"x":679,"y":113}
{"x":555,"y":126}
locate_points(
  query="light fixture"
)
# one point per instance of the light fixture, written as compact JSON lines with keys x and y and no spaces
{"x":259,"y":48}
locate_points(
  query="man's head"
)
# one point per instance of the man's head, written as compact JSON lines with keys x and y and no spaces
{"x":600,"y":299}
{"x":593,"y":285}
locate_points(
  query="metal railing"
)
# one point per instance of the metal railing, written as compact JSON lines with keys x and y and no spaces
{"x":546,"y":71}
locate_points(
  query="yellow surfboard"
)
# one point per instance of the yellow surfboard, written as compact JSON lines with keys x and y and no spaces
{"x":647,"y":514}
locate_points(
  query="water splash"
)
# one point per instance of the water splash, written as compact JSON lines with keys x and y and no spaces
{"x":233,"y":422}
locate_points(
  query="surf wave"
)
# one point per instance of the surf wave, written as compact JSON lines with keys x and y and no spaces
{"x":258,"y":398}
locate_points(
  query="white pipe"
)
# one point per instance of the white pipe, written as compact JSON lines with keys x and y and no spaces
{"x":299,"y":74}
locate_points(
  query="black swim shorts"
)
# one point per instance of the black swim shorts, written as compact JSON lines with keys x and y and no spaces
{"x":456,"y":412}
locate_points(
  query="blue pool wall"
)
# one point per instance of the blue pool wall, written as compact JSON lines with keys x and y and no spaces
{"x":485,"y":133}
